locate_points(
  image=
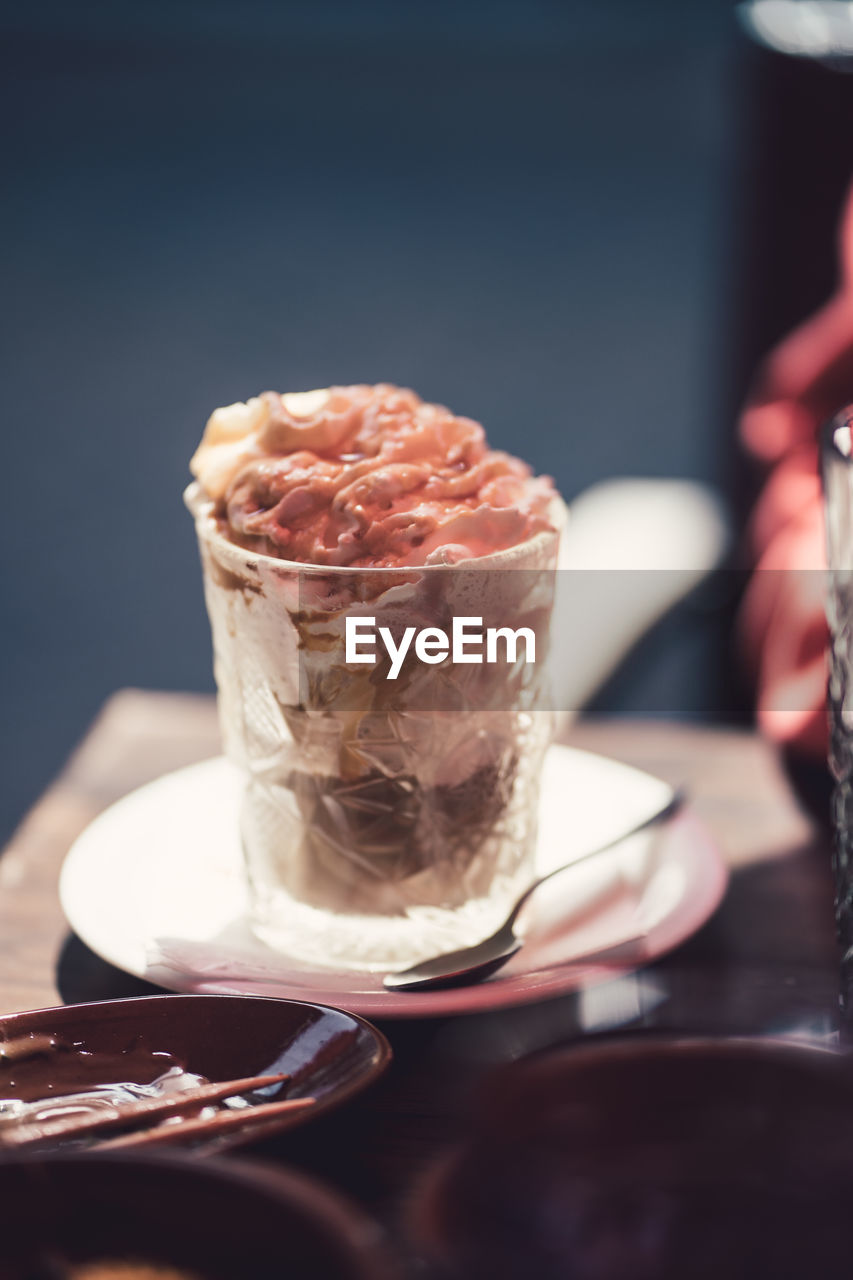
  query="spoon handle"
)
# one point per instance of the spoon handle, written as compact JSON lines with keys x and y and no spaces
{"x":672,"y":806}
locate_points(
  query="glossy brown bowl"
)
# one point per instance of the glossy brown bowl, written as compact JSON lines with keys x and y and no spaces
{"x":216,"y":1220}
{"x":651,"y":1158}
{"x":329,"y":1055}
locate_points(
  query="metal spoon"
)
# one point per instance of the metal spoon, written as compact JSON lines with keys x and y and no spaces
{"x":472,"y":964}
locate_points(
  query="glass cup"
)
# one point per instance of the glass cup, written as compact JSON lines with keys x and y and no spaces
{"x":836,"y":461}
{"x":837,"y":466}
{"x":384,"y":820}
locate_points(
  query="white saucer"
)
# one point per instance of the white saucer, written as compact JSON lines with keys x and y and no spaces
{"x":156,"y":886}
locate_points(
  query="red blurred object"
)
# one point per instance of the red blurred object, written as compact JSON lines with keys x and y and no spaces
{"x":801,"y":384}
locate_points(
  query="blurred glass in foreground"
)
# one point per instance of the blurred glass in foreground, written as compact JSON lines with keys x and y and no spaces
{"x":837,"y":463}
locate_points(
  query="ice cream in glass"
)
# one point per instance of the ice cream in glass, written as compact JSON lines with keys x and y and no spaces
{"x":391,"y":779}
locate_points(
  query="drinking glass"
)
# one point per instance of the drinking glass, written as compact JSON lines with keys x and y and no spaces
{"x":837,"y":466}
{"x":383,"y":820}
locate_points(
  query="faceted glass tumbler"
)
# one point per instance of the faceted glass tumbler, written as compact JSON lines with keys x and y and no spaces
{"x":837,"y":466}
{"x":383,"y":820}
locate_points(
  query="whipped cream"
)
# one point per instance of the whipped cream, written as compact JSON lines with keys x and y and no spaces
{"x":365,"y":476}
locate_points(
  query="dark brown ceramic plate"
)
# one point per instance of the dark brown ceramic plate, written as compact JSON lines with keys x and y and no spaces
{"x":216,"y":1220}
{"x":651,"y":1158}
{"x":329,"y":1055}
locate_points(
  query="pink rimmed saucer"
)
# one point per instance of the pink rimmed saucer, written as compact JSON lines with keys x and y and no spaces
{"x":156,"y":886}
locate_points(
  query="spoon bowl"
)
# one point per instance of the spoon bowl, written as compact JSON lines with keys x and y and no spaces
{"x":456,"y":968}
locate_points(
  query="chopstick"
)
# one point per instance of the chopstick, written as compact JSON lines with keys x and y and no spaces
{"x":132,"y":1113}
{"x":222,"y":1122}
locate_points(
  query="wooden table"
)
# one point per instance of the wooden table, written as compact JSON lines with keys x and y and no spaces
{"x":765,"y":963}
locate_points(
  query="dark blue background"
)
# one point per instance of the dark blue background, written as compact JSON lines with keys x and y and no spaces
{"x":523,"y":210}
